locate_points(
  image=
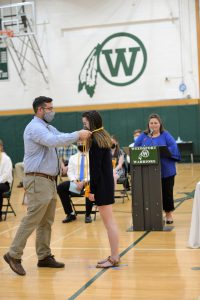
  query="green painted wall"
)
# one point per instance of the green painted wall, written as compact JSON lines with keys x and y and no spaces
{"x":180,"y":121}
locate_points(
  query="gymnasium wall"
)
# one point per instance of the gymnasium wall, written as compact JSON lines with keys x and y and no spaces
{"x":164,"y":37}
{"x":119,"y":32}
{"x":180,"y":121}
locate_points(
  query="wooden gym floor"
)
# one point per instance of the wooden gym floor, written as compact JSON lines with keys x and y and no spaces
{"x":154,"y":265}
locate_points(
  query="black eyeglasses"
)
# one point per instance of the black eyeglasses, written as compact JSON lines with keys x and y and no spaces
{"x":48,"y":108}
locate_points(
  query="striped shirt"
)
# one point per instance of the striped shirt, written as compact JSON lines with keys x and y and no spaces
{"x":64,"y":153}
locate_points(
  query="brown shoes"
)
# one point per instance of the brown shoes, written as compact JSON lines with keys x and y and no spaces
{"x":50,"y":262}
{"x":15,"y":264}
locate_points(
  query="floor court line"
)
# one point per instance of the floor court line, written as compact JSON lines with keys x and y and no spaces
{"x":54,"y":242}
{"x":107,"y":248}
{"x":102,"y":271}
{"x":76,"y":294}
{"x":15,"y":227}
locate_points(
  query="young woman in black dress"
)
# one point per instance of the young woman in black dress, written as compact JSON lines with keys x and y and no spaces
{"x":102,"y":182}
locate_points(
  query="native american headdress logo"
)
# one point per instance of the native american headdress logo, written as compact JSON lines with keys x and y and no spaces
{"x":120,"y":60}
{"x":88,"y":74}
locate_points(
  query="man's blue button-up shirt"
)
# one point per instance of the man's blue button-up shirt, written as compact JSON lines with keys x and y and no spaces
{"x":40,"y":141}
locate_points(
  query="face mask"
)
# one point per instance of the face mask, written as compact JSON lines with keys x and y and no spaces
{"x":80,"y":148}
{"x":49,"y":116}
{"x":113,"y":146}
{"x":135,"y":138}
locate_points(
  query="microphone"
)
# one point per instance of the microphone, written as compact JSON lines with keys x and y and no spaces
{"x":151,"y":132}
{"x":151,"y":135}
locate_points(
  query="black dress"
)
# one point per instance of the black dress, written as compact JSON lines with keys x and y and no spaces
{"x":101,"y":175}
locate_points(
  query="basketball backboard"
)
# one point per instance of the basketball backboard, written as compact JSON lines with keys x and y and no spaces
{"x":18,"y":18}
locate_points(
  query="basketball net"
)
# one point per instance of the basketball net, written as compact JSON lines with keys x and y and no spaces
{"x":7,"y":33}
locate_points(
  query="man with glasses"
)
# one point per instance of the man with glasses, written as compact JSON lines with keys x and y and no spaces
{"x":41,"y":168}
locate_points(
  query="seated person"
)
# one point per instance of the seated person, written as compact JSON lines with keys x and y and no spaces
{"x":5,"y":175}
{"x":19,"y":169}
{"x":64,"y":154}
{"x":80,"y":177}
{"x":118,"y":159}
{"x":136,"y":133}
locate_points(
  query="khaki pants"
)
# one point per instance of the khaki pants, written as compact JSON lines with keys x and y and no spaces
{"x":41,"y":202}
{"x":19,"y":168}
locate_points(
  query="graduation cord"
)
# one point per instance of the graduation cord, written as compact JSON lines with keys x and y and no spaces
{"x":87,"y":185}
{"x":95,"y":130}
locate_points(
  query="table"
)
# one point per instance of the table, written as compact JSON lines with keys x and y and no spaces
{"x":194,"y":235}
{"x":186,"y":148}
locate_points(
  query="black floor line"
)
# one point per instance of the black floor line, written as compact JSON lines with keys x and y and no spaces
{"x":93,"y":279}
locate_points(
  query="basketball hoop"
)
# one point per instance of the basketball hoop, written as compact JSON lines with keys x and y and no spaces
{"x":7,"y":33}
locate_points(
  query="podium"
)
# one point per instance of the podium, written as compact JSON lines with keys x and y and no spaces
{"x":147,"y":208}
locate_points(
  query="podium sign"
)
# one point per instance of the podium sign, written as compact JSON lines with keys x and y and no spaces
{"x":144,"y":156}
{"x":146,"y":188}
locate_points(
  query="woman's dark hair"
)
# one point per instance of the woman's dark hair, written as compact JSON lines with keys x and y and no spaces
{"x":154,"y":116}
{"x":40,"y":101}
{"x":101,"y":136}
{"x":117,"y":148}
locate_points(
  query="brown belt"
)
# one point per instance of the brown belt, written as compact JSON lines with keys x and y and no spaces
{"x":41,"y":175}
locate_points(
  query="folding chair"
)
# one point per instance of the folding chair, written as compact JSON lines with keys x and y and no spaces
{"x":122,"y":193}
{"x":8,"y":207}
{"x":82,"y":211}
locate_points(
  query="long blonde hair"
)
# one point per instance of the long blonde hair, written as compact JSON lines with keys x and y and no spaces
{"x":99,"y":134}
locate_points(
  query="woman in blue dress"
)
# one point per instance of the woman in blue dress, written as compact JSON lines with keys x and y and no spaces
{"x":156,"y":135}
